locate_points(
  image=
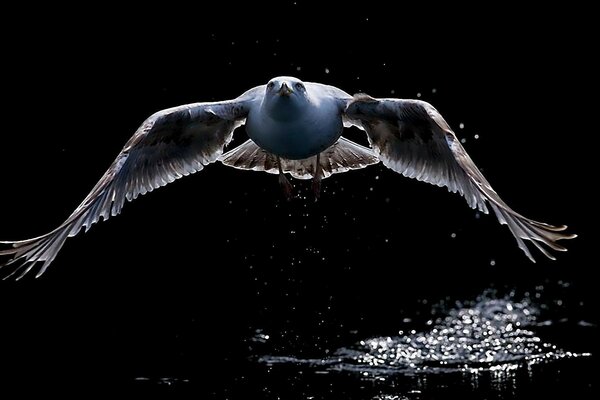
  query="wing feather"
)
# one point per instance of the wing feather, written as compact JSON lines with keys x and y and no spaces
{"x":412,"y":138}
{"x":170,"y":144}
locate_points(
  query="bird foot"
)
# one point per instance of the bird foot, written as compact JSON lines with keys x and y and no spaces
{"x":316,"y":187}
{"x":286,"y":186}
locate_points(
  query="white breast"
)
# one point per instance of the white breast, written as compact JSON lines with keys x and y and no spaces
{"x":315,"y":128}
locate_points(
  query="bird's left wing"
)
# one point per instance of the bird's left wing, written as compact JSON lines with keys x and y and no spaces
{"x":412,"y":138}
{"x":170,"y":144}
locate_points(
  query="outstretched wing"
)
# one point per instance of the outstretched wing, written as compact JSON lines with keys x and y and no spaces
{"x":412,"y":138}
{"x":170,"y":144}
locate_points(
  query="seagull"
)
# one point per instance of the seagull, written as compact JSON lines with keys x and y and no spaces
{"x":294,"y":128}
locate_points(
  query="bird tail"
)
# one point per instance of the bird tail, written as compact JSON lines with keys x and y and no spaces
{"x":343,"y":156}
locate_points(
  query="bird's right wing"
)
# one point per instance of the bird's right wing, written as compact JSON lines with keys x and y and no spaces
{"x":170,"y":144}
{"x":411,"y":138}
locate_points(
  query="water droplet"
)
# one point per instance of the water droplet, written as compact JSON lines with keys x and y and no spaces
{"x":492,"y":262}
{"x":419,"y":94}
{"x":326,"y":70}
{"x":461,"y":125}
{"x":453,"y":235}
{"x":476,"y":136}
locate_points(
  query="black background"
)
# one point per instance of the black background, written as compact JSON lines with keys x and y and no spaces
{"x":186,"y":275}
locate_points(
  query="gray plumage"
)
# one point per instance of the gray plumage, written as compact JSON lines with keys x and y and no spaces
{"x":294,"y":127}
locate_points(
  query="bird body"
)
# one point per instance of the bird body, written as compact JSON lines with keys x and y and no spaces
{"x":294,"y":127}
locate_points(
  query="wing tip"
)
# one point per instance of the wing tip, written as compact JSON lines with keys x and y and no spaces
{"x":19,"y":271}
{"x":21,"y":257}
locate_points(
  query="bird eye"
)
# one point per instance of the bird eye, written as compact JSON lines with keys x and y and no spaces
{"x":270,"y":85}
{"x":299,"y":86}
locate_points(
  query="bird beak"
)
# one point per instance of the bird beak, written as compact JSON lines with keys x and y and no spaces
{"x":285,"y":90}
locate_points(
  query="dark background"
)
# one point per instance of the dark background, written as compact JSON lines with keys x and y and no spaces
{"x":178,"y":284}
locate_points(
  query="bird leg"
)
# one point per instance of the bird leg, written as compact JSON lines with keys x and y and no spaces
{"x":316,"y":181}
{"x":286,"y":186}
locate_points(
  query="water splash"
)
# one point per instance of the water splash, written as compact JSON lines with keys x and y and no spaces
{"x":167,"y":381}
{"x":489,"y":334}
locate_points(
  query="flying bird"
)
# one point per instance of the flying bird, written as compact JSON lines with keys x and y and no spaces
{"x":293,"y":127}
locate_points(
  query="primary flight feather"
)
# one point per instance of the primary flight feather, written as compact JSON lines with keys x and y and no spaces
{"x":294,"y":127}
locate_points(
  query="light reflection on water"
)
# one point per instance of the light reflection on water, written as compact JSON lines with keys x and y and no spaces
{"x":495,"y":336}
{"x":488,"y":348}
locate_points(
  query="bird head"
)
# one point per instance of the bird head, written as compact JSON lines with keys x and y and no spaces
{"x":284,"y":97}
{"x":285,"y":86}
